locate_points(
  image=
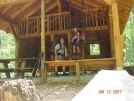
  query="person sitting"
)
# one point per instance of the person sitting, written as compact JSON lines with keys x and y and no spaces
{"x":59,"y":51}
{"x":75,"y":43}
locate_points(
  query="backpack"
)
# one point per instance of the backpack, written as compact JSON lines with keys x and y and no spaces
{"x":82,"y":34}
{"x":53,"y":44}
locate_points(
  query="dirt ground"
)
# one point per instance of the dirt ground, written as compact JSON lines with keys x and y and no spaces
{"x":60,"y":91}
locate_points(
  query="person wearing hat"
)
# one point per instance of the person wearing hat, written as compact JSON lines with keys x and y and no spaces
{"x":59,"y":51}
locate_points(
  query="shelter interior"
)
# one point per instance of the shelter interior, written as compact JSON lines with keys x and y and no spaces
{"x":22,"y":18}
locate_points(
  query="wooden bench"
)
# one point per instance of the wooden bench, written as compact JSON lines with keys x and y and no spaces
{"x":78,"y":63}
{"x":108,"y":85}
{"x":20,"y":70}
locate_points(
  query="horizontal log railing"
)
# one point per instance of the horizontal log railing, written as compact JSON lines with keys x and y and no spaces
{"x":92,"y":19}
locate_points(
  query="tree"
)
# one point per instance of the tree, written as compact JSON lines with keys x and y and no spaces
{"x":129,"y":42}
{"x":7,"y":49}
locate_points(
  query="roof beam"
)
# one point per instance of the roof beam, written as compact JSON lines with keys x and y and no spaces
{"x":3,"y":18}
{"x":59,"y":6}
{"x":50,"y":7}
{"x":78,"y":3}
{"x":14,"y":33}
{"x":36,"y":8}
{"x":6,"y":9}
{"x":92,"y":3}
{"x":22,"y":9}
{"x":14,"y":3}
{"x":108,"y":2}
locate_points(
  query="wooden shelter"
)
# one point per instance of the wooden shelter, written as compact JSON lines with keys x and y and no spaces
{"x":35,"y":25}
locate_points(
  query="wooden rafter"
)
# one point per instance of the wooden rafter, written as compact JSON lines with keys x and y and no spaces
{"x":78,"y":3}
{"x":59,"y":6}
{"x":108,"y":2}
{"x":3,"y":18}
{"x":92,"y":3}
{"x":50,"y":7}
{"x":14,"y":33}
{"x":97,"y":3}
{"x":6,"y":9}
{"x":80,"y":9}
{"x":22,"y":9}
{"x":36,"y":8}
{"x":15,"y":3}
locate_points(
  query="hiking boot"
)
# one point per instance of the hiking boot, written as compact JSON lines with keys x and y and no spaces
{"x":64,"y":73}
{"x":56,"y":74}
{"x":73,"y":55}
{"x":78,"y":55}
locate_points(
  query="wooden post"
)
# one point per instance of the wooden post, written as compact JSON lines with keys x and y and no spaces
{"x":116,"y":33}
{"x":82,"y":16}
{"x":21,"y":74}
{"x":70,"y":15}
{"x":27,"y":26}
{"x":45,"y":74}
{"x":77,"y":71}
{"x":111,"y":34}
{"x":83,"y":50}
{"x":17,"y":53}
{"x":42,"y":38}
{"x":96,"y":16}
{"x":52,"y":39}
{"x":69,"y":45}
{"x":6,"y":66}
{"x":86,"y":20}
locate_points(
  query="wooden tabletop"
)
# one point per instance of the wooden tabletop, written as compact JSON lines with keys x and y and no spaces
{"x":82,"y":62}
{"x":108,"y":85}
{"x":16,"y":59}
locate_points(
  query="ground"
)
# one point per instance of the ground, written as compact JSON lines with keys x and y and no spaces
{"x":62,"y":88}
{"x":59,"y":91}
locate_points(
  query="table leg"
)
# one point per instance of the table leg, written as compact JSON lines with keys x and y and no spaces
{"x":77,"y":71}
{"x":21,"y":73}
{"x":45,"y":72}
{"x":7,"y":73}
{"x":83,"y":70}
{"x":70,"y":70}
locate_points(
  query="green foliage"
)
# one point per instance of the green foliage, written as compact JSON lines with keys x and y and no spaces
{"x":129,"y":42}
{"x":94,"y":49}
{"x":7,"y":49}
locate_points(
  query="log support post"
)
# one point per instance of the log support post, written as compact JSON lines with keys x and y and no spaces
{"x":42,"y":39}
{"x":69,"y":45}
{"x":52,"y":39}
{"x":116,"y":34}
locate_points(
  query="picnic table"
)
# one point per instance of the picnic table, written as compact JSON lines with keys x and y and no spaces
{"x":20,"y":69}
{"x":108,"y":85}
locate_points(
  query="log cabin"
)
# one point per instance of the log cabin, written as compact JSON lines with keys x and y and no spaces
{"x":36,"y":23}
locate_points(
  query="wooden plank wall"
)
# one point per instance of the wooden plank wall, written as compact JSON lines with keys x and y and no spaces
{"x":27,"y":50}
{"x":104,"y":50}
